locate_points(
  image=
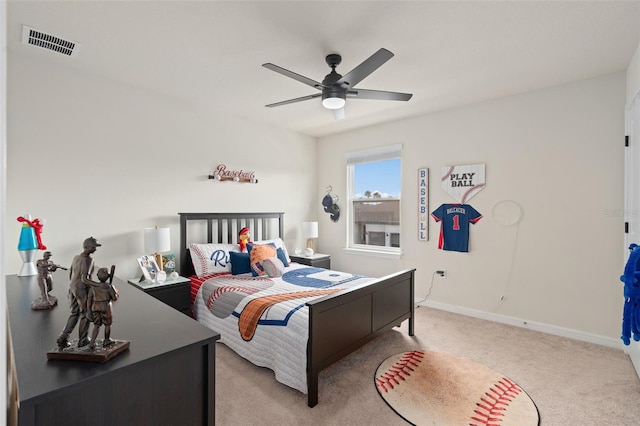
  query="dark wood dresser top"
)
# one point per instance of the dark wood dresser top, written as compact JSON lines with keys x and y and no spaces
{"x":153,"y":328}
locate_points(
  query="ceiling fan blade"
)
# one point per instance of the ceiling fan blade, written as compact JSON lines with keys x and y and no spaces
{"x":291,"y":101}
{"x":369,"y":65}
{"x":378,"y":94}
{"x":293,"y":75}
{"x":338,"y":114}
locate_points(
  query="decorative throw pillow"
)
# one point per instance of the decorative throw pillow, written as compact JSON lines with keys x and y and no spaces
{"x":273,"y":267}
{"x":279,"y":243}
{"x":283,"y":257}
{"x":280,"y":253}
{"x":258,"y":253}
{"x":240,"y":263}
{"x":209,"y":259}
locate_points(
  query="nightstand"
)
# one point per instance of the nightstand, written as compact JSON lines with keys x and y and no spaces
{"x":175,"y":293}
{"x":317,"y":260}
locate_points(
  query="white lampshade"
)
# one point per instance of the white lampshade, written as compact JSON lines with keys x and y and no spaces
{"x":157,"y":240}
{"x":310,"y":229}
{"x":338,"y":114}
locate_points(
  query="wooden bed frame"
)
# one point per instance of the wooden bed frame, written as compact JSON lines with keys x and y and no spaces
{"x":339,"y":323}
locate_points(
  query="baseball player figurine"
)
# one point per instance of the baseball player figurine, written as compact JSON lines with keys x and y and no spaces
{"x":100,"y":298}
{"x":454,"y":229}
{"x":80,"y":275}
{"x":45,"y":269}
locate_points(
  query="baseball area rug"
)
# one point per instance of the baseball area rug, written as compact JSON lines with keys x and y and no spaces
{"x":435,"y":388}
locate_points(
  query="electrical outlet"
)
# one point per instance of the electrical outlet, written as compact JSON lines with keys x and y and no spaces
{"x":442,"y":273}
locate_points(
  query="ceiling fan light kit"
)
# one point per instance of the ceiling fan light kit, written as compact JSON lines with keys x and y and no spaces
{"x":333,"y":102}
{"x":335,"y":88}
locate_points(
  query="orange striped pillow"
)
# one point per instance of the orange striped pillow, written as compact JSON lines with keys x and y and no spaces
{"x":258,"y":254}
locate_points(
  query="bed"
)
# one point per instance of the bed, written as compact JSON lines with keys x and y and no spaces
{"x":337,"y":321}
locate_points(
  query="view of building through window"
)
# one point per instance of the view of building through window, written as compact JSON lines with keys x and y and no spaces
{"x":375,"y":201}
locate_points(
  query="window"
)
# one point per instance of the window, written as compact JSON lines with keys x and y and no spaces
{"x":374,"y":182}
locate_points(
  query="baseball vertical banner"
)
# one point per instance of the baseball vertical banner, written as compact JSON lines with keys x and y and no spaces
{"x":423,"y":204}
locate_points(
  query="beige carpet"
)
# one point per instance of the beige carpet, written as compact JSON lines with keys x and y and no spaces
{"x":572,"y":383}
{"x":437,"y":388}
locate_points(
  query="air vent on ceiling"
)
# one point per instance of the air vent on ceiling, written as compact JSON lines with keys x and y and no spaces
{"x":49,"y":42}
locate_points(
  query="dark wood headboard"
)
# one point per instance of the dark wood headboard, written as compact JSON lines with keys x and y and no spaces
{"x":224,"y":228}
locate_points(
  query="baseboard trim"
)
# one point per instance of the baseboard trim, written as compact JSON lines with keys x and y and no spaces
{"x":532,"y":325}
{"x":633,"y":350}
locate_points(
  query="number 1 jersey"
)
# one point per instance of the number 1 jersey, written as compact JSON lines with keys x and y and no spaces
{"x":454,"y":229}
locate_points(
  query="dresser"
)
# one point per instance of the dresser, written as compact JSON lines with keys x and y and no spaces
{"x":167,"y":376}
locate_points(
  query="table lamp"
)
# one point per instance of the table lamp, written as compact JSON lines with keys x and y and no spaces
{"x":310,"y":232}
{"x":29,"y":244}
{"x":156,"y":241}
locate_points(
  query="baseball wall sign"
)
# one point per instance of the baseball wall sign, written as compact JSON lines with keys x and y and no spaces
{"x":221,"y":173}
{"x":463,"y":182}
{"x":423,"y":204}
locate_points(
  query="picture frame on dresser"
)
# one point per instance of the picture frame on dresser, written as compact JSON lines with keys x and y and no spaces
{"x":149,"y":267}
{"x":169,"y":263}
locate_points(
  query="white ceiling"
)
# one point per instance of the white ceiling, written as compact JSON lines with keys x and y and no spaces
{"x":447,"y":53}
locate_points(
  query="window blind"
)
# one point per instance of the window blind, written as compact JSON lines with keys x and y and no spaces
{"x":374,"y":154}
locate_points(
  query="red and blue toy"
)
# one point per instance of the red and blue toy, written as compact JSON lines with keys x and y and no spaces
{"x":29,"y":243}
{"x":244,"y":238}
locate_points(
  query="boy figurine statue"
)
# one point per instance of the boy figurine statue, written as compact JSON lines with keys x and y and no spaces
{"x":99,"y":302}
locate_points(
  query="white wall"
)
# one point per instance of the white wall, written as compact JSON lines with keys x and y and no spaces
{"x":633,"y":87}
{"x":633,"y":75}
{"x":558,"y":153}
{"x":3,"y":144}
{"x":94,"y":157}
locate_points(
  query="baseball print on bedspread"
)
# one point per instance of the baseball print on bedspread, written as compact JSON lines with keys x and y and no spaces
{"x":265,"y":301}
{"x":454,"y":229}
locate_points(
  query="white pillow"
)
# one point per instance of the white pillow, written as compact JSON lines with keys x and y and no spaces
{"x":209,"y":259}
{"x":273,"y":267}
{"x":279,"y":243}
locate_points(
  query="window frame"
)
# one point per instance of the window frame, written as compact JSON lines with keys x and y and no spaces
{"x":382,"y":153}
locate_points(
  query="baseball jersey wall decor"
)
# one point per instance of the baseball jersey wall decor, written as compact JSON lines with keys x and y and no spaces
{"x":454,"y":229}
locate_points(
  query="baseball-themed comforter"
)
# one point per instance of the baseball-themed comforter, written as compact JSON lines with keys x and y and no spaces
{"x":265,"y":320}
